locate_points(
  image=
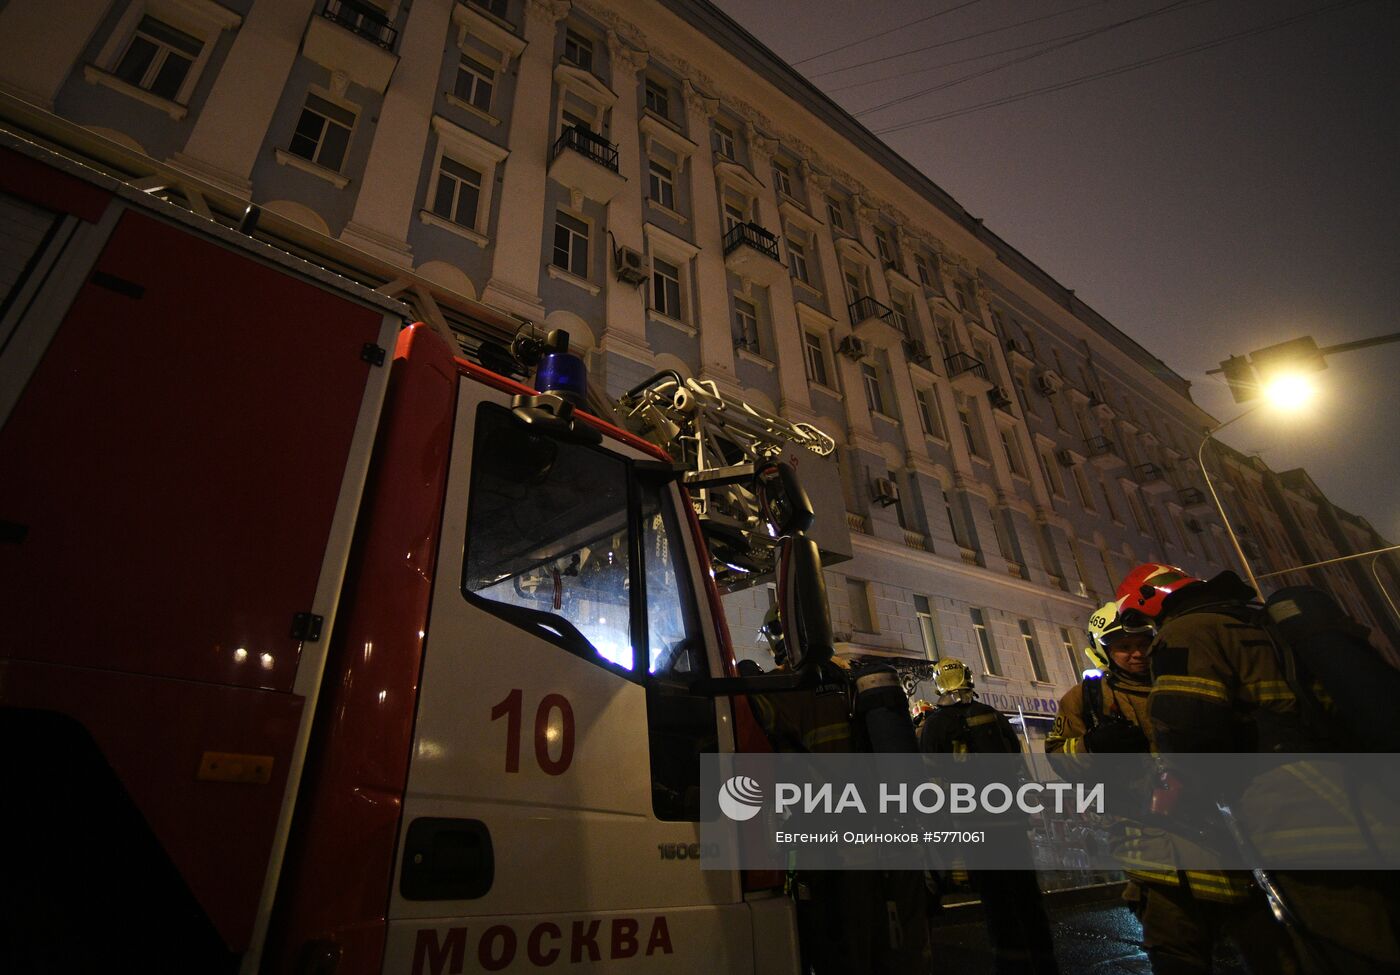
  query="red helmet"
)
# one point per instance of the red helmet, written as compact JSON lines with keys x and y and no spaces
{"x":1148,"y":585}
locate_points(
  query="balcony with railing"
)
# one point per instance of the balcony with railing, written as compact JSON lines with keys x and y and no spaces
{"x":968,"y":375}
{"x":355,"y":38}
{"x":867,"y":309}
{"x":1103,"y":452}
{"x":751,"y":252}
{"x":364,"y":19}
{"x":1152,"y":479}
{"x":586,"y":163}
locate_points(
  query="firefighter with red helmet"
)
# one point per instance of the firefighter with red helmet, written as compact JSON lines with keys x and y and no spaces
{"x":1183,"y":912}
{"x":1219,"y":685}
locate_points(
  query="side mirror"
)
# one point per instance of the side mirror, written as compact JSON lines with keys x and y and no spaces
{"x":802,"y":604}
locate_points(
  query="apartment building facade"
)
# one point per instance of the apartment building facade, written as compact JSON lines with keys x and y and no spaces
{"x":649,"y":177}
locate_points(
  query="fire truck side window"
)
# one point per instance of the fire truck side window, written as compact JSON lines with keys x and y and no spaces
{"x":548,"y":539}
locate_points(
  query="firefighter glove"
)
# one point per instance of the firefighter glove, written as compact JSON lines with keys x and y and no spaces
{"x":1116,"y":735}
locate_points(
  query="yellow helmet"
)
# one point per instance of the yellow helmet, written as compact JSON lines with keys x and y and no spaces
{"x":950,"y":674}
{"x":1108,"y":624}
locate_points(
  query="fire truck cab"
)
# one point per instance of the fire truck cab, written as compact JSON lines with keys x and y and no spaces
{"x":320,"y":655}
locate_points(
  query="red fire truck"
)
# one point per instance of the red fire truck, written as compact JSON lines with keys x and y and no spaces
{"x":325,"y":649}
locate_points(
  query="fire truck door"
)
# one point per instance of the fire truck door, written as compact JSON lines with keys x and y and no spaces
{"x":551,"y":816}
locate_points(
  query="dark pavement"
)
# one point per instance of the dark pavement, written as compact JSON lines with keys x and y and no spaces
{"x":1098,"y":936}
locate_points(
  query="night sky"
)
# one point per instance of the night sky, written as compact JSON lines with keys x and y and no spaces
{"x":1213,"y":203}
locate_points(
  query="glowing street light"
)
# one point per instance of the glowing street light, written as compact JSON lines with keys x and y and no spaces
{"x":1250,"y":376}
{"x":1289,"y":391}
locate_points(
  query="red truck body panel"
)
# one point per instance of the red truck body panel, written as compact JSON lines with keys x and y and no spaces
{"x":176,"y":460}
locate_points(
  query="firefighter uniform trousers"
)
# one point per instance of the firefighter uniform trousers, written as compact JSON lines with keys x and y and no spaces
{"x":1218,"y":686}
{"x":1017,"y":927}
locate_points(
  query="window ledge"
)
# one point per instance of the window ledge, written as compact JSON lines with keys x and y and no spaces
{"x":436,"y":220}
{"x":675,"y":215}
{"x":467,"y":106}
{"x":286,"y":158}
{"x":884,"y":416}
{"x":755,"y":358}
{"x":930,"y":438}
{"x":665,"y":120}
{"x":1043,"y":683}
{"x":807,"y":286}
{"x":675,"y":323}
{"x":980,"y":459}
{"x":559,"y":274}
{"x":96,"y":76}
{"x":988,"y":673}
{"x":821,"y":388}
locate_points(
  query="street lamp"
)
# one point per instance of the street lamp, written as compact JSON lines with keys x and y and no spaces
{"x":1249,"y":376}
{"x":1224,"y":518}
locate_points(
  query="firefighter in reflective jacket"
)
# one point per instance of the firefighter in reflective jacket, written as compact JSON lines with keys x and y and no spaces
{"x":1016,"y":923}
{"x":1183,"y":912}
{"x":851,"y":922}
{"x":1219,"y":685}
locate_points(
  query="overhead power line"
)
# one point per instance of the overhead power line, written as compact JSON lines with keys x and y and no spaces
{"x":884,"y":33}
{"x":949,"y":64}
{"x":951,"y":40}
{"x":1122,"y":69}
{"x":1172,"y":7}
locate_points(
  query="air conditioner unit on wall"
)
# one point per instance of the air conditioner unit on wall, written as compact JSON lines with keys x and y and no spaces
{"x":1065,"y":457}
{"x":1048,"y":383}
{"x":884,"y":491}
{"x":915,"y":351}
{"x":852,"y":347}
{"x":630,"y":265}
{"x":1000,"y":397}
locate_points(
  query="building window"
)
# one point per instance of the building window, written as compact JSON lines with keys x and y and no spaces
{"x":458,"y":193}
{"x":930,"y":416}
{"x":947,"y":340}
{"x":968,"y":427}
{"x":322,"y":133}
{"x":928,"y":628}
{"x":797,"y":258}
{"x":666,"y":288}
{"x":1075,"y":667}
{"x":571,"y":244}
{"x":884,"y":248}
{"x":661,"y":185}
{"x":862,"y":619}
{"x":475,"y":83}
{"x":734,"y":215}
{"x":782,"y":180}
{"x":855,"y":285}
{"x":870,"y":376}
{"x":1108,"y":500}
{"x":899,"y":306}
{"x":745,"y":325}
{"x":159,"y":58}
{"x":816,"y":358}
{"x":496,"y":8}
{"x":1052,"y":474}
{"x":923,"y":270}
{"x":1033,"y":649}
{"x":724,"y":141}
{"x":893,"y":478}
{"x":578,"y":50}
{"x":658,"y":99}
{"x":1081,"y":484}
{"x":835,"y":213}
{"x":984,"y":642}
{"x":960,"y":296}
{"x":953,"y":521}
{"x":1013,"y":452}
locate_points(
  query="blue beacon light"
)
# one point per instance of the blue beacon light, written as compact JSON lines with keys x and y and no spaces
{"x":561,"y":372}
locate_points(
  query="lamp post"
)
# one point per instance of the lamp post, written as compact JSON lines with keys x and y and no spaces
{"x":1224,"y":518}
